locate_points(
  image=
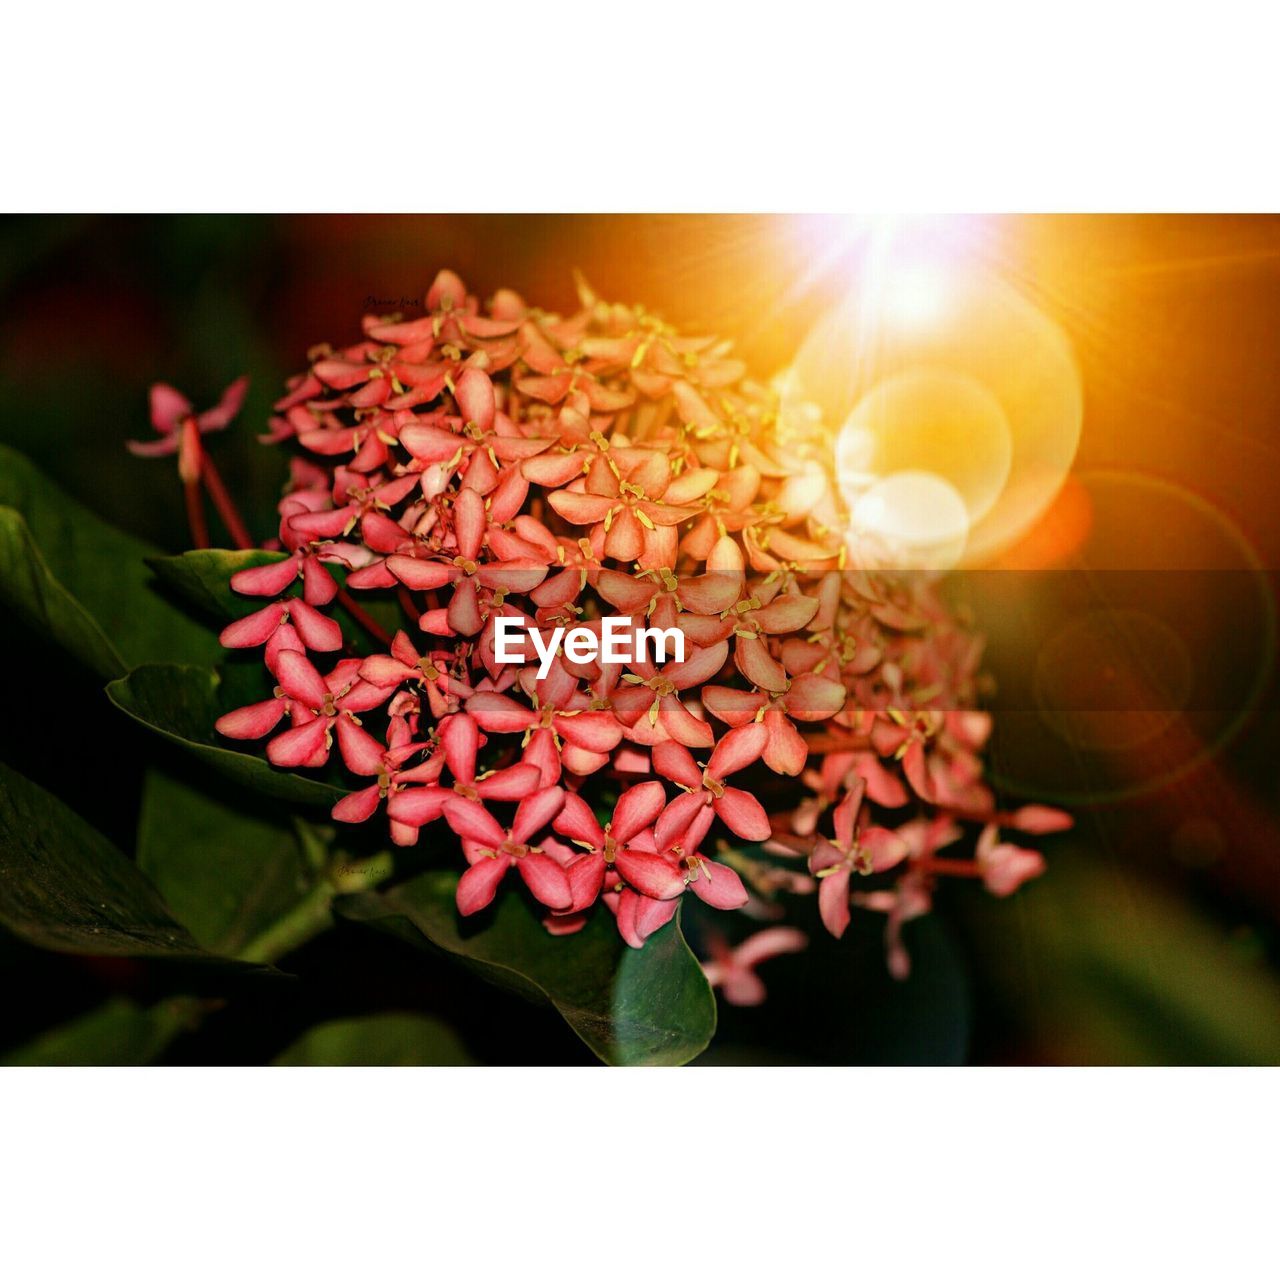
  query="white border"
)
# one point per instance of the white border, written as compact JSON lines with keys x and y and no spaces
{"x":347,"y":1172}
{"x":667,"y":106}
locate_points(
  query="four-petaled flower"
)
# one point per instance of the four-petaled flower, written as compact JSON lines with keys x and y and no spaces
{"x":492,"y":851}
{"x":857,"y":847}
{"x":733,"y":969}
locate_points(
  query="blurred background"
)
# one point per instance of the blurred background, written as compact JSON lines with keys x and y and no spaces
{"x":1092,"y":402}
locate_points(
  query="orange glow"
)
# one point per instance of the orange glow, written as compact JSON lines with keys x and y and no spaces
{"x":932,"y":364}
{"x":1058,"y":536}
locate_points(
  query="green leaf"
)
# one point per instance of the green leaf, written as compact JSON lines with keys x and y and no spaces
{"x":227,"y":873}
{"x":86,"y":571}
{"x":181,"y":704}
{"x":651,"y":1006}
{"x":202,"y":579}
{"x":65,"y":887}
{"x":118,"y":1034}
{"x":379,"y":1040}
{"x":44,"y":604}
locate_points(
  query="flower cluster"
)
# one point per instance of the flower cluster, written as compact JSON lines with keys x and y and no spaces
{"x":480,"y":462}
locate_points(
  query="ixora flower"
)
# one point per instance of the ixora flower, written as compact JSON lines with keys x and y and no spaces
{"x":528,"y":490}
{"x":180,"y":428}
{"x":733,"y":969}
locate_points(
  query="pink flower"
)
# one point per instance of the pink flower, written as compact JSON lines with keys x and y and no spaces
{"x":430,"y":672}
{"x":733,"y":970}
{"x":178,"y":424}
{"x":465,"y":612}
{"x":739,"y":810}
{"x":480,"y":463}
{"x":319,"y":706}
{"x":808,"y":697}
{"x":909,"y":899}
{"x":459,"y":739}
{"x":856,"y":847}
{"x":318,"y":586}
{"x":649,"y":702}
{"x":635,"y":503}
{"x":624,"y":844}
{"x":1005,"y":867}
{"x":361,"y":805}
{"x":560,"y":731}
{"x":284,"y":624}
{"x":491,"y":851}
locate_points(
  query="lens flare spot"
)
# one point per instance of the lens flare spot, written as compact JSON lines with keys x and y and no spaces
{"x":902,"y":317}
{"x":931,"y":420}
{"x":909,"y":520}
{"x":916,"y":296}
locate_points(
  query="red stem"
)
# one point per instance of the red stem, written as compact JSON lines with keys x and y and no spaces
{"x":195,"y":514}
{"x":406,"y":603}
{"x":950,"y":867}
{"x":362,"y":618}
{"x":222,"y":500}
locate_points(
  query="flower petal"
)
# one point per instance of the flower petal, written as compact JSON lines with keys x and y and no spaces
{"x":266,"y":579}
{"x":168,"y":407}
{"x":547,"y":881}
{"x":251,"y":631}
{"x":638,"y":807}
{"x":300,"y":680}
{"x":674,"y":761}
{"x":254,"y":721}
{"x":359,"y":806}
{"x":650,"y":874}
{"x":737,"y":749}
{"x":474,"y":394}
{"x":743,"y":814}
{"x":472,"y":821}
{"x":833,"y":902}
{"x":535,"y":812}
{"x":580,"y":508}
{"x":496,"y":713}
{"x":814,"y":697}
{"x":361,"y":752}
{"x":676,"y":817}
{"x":718,"y":886}
{"x":479,"y":882}
{"x":416,"y":806}
{"x":576,"y":821}
{"x":303,"y":746}
{"x":317,"y":631}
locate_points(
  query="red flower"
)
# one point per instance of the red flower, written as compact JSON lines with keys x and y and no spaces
{"x":467,"y":612}
{"x":634,"y":501}
{"x":479,"y":463}
{"x":624,"y":844}
{"x":808,"y":697}
{"x":733,"y":970}
{"x":459,"y":738}
{"x":491,"y":852}
{"x":739,"y":810}
{"x":649,"y":702}
{"x":318,"y":706}
{"x":361,"y":805}
{"x":856,"y":847}
{"x":1005,"y":867}
{"x":559,"y":729}
{"x":178,"y":424}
